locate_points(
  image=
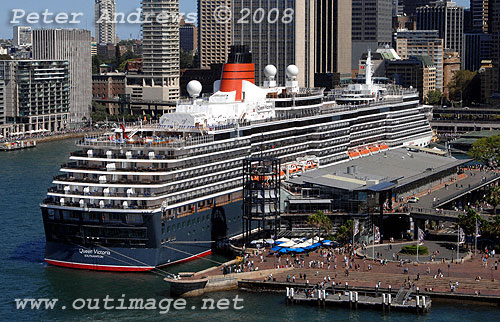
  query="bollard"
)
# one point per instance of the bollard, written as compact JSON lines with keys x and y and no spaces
{"x":383,"y":299}
{"x":390,"y":299}
{"x":287,"y":292}
{"x":390,"y":289}
{"x":423,"y":302}
{"x":418,"y":301}
{"x":356,"y":298}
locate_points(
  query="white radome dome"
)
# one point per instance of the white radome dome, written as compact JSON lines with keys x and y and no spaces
{"x":194,"y":88}
{"x":270,"y":71}
{"x":292,"y":71}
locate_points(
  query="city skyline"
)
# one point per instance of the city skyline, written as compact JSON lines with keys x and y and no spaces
{"x":87,"y":8}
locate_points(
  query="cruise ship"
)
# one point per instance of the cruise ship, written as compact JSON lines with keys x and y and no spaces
{"x":146,"y":196}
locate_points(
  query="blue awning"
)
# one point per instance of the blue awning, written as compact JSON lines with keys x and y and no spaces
{"x":275,"y":248}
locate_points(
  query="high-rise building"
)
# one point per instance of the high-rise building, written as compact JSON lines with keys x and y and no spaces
{"x":479,"y":15}
{"x":284,"y":38}
{"x":371,"y":27}
{"x":410,"y":6}
{"x":333,"y":36}
{"x":214,"y":31}
{"x":188,"y":36}
{"x":422,"y":42}
{"x":22,"y":36}
{"x":494,"y":28}
{"x":35,"y":94}
{"x":105,"y":26}
{"x":446,"y":17}
{"x":477,"y":48}
{"x":74,"y":46}
{"x":417,"y":71}
{"x":397,"y":8}
{"x":160,"y":52}
{"x":451,"y":65}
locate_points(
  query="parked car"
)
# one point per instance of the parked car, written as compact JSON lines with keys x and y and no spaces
{"x":413,"y":200}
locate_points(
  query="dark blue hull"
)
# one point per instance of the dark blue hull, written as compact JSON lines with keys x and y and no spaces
{"x":168,"y":242}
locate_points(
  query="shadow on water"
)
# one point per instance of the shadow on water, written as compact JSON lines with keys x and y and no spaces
{"x":30,"y":251}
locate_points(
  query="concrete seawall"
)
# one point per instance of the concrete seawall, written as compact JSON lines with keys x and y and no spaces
{"x":65,"y":136}
{"x":216,"y":283}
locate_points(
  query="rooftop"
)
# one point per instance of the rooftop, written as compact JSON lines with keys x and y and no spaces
{"x":377,"y":171}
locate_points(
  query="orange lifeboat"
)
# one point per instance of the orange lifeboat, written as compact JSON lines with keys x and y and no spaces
{"x":373,"y":149}
{"x":354,"y":154}
{"x":364,"y":151}
{"x":383,"y":147}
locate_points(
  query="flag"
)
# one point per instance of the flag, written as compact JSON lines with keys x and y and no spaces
{"x":421,"y":236}
{"x":356,"y":227}
{"x":478,"y":231}
{"x":461,"y":235}
{"x":377,"y":234}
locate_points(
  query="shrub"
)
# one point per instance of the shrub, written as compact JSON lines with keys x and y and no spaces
{"x":412,"y":250}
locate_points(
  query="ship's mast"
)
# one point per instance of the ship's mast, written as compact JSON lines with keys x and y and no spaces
{"x":369,"y":68}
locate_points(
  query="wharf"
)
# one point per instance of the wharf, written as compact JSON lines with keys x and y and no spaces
{"x":17,"y":145}
{"x":403,"y":300}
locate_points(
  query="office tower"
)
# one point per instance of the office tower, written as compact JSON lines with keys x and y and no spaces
{"x":105,"y":28}
{"x":333,"y":36}
{"x":35,"y":94}
{"x":397,"y":8}
{"x":22,"y":36}
{"x":477,"y":48}
{"x":494,"y":28}
{"x":410,"y":6}
{"x":74,"y":46}
{"x":160,"y":51}
{"x":417,"y":71}
{"x":371,"y":27}
{"x":282,"y":41}
{"x":448,"y":19}
{"x":422,"y":42}
{"x":479,"y":15}
{"x":93,"y":48}
{"x":451,"y":65}
{"x":214,"y":31}
{"x":188,"y":36}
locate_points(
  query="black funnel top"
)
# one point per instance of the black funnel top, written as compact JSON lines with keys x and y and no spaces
{"x":239,"y":54}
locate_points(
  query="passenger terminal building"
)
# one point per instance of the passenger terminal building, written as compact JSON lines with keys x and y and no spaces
{"x":358,"y":188}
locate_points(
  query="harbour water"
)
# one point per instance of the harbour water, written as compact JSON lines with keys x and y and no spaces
{"x":26,"y":175}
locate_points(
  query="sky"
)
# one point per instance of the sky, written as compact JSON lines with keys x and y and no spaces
{"x":87,"y":8}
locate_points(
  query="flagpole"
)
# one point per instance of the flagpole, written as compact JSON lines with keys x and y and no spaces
{"x":418,"y":239}
{"x":458,"y":243}
{"x":475,"y":240}
{"x":373,"y":248}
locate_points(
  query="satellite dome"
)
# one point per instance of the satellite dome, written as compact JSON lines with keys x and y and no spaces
{"x":270,"y":71}
{"x":194,"y":88}
{"x":292,"y":71}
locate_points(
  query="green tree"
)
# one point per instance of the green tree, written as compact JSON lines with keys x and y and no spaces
{"x":344,"y":233}
{"x":486,"y":150}
{"x":320,"y":221}
{"x":468,"y":221}
{"x":493,"y":198}
{"x":187,"y":59}
{"x":434,"y":97}
{"x":96,"y":62}
{"x":464,"y":86}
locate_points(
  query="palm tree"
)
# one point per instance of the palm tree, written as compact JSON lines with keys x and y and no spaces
{"x":494,"y":198}
{"x":320,"y":221}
